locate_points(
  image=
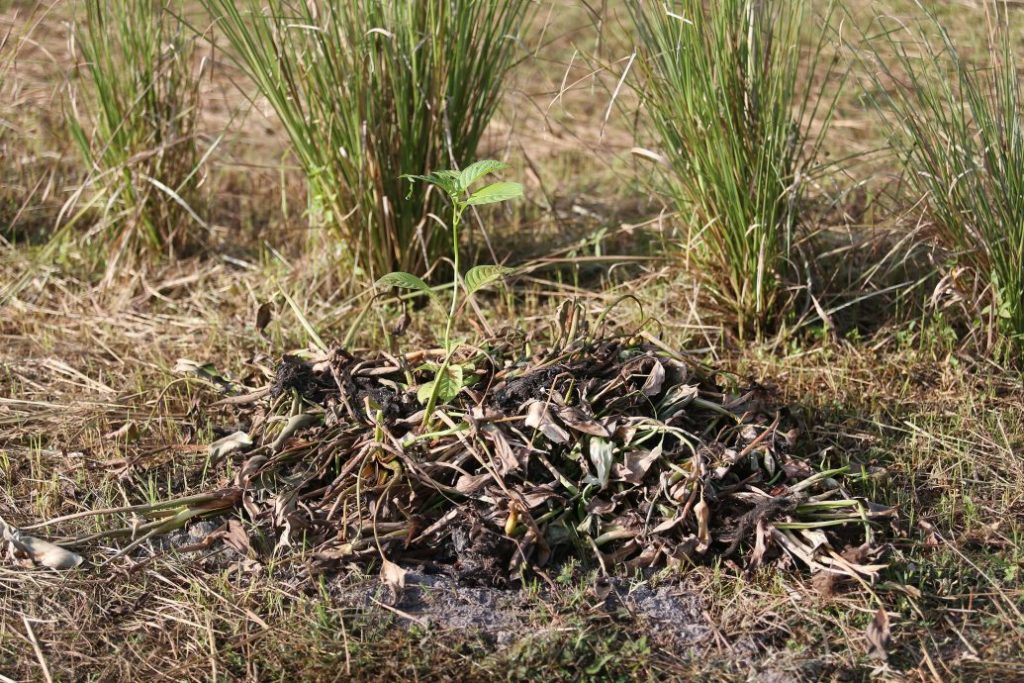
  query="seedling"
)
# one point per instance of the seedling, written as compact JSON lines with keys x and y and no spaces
{"x":457,"y":185}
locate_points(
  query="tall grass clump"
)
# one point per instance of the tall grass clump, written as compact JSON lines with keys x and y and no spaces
{"x":958,"y":128}
{"x":132,"y":114}
{"x":732,"y":95}
{"x":370,"y":91}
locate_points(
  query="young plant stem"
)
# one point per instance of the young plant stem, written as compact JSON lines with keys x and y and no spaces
{"x":457,"y":209}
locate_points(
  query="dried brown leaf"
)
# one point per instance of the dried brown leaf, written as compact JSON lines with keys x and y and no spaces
{"x":655,"y":380}
{"x":42,"y":552}
{"x":576,"y":419}
{"x":393,"y":577}
{"x":264,"y":315}
{"x":129,"y":431}
{"x":879,"y":635}
{"x":471,"y":483}
{"x":703,"y":513}
{"x":232,"y":443}
{"x":539,"y":417}
{"x":636,"y":464}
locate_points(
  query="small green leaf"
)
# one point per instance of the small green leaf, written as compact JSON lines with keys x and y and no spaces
{"x":481,"y":276}
{"x":446,"y":180}
{"x":478,"y":170}
{"x":424,"y":392}
{"x":404,"y":281}
{"x":449,"y":384}
{"x":497,"y":192}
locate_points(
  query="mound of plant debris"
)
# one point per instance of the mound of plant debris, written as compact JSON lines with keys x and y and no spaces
{"x":615,"y":450}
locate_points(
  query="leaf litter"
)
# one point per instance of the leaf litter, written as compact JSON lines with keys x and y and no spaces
{"x":613,"y":450}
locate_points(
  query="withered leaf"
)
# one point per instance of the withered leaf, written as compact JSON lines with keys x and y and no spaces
{"x":41,"y":552}
{"x":294,"y":425}
{"x":507,"y":461}
{"x":576,"y":419}
{"x":129,"y":431}
{"x":600,"y":506}
{"x":815,"y":537}
{"x":236,"y":537}
{"x":538,"y":495}
{"x":760,"y":546}
{"x":601,"y":456}
{"x":471,"y":483}
{"x":703,"y":513}
{"x":539,"y":417}
{"x":636,"y":464}
{"x":879,"y":635}
{"x":264,"y":315}
{"x":655,"y":380}
{"x":393,"y":577}
{"x":232,"y":443}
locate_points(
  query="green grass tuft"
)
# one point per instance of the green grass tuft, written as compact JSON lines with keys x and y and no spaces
{"x":370,"y":91}
{"x":958,"y":129}
{"x":731,"y":96}
{"x":132,"y":116}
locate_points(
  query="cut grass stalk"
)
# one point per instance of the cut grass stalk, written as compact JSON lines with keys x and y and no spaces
{"x":370,"y":91}
{"x":133,"y":117}
{"x":958,"y":129}
{"x":732,"y":97}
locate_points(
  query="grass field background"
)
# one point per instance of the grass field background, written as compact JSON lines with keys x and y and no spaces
{"x":890,"y":362}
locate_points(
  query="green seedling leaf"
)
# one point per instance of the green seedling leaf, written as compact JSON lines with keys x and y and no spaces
{"x":494,"y":193}
{"x":446,"y":180}
{"x":479,"y":277}
{"x":478,"y":170}
{"x":404,"y":281}
{"x":449,"y":385}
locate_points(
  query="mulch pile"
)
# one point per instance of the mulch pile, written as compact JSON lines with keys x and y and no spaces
{"x":615,"y":450}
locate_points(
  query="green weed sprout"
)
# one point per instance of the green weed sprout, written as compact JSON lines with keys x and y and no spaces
{"x":457,"y":185}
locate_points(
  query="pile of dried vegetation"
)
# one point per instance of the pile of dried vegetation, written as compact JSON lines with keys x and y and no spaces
{"x":604,"y":447}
